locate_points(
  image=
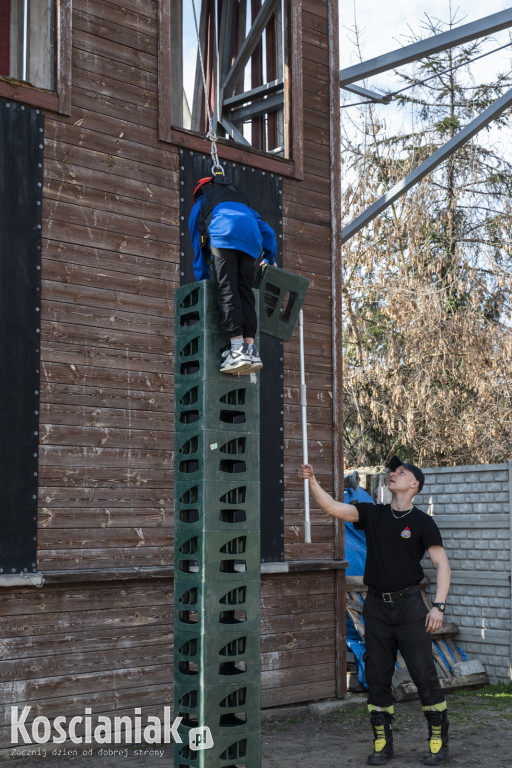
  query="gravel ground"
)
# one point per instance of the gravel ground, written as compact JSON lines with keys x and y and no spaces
{"x":480,"y":736}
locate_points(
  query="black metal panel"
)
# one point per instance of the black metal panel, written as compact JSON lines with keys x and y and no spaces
{"x":265,"y":195}
{"x":21,"y":175}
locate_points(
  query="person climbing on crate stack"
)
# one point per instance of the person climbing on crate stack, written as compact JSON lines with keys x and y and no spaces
{"x":395,"y":617}
{"x":228,"y":238}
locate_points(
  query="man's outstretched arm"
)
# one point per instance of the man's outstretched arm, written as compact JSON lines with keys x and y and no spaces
{"x":326,"y":502}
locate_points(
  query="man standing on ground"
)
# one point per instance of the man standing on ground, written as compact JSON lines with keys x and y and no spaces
{"x":395,"y":616}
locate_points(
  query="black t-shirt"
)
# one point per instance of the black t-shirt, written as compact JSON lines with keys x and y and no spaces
{"x":395,"y":547}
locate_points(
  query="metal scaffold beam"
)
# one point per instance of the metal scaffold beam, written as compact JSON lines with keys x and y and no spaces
{"x":476,"y":125}
{"x":457,"y":36}
{"x":420,"y":50}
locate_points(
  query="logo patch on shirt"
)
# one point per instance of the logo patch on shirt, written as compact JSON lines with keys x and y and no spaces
{"x":406,"y":533}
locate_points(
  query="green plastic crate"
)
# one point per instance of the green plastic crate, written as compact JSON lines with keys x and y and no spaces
{"x":218,"y":603}
{"x":282,"y":294}
{"x":209,"y":667}
{"x":210,"y":703}
{"x":198,"y":357}
{"x":217,"y":506}
{"x":217,"y":455}
{"x":196,"y":306}
{"x":216,"y":556}
{"x":232,"y":403}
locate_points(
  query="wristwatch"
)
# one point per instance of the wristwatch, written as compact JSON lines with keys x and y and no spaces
{"x":439,"y":606}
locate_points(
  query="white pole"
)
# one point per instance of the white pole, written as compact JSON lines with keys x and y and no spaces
{"x":25,"y":62}
{"x":304,"y":405}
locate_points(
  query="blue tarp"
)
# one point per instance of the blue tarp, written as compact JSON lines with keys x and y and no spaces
{"x":355,"y":549}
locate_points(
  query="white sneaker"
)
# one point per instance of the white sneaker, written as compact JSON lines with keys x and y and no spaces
{"x":256,"y":364}
{"x":236,"y":361}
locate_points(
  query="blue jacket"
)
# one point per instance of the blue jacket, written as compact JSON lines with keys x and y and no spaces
{"x":234,"y":226}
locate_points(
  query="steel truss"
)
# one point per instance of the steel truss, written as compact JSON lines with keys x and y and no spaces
{"x":423,"y":48}
{"x":228,"y":50}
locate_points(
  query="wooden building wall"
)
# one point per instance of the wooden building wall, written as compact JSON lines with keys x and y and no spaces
{"x":99,"y":633}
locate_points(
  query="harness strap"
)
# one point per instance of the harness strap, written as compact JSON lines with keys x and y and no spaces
{"x":223,"y":191}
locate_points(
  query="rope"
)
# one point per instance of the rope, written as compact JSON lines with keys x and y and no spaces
{"x":210,"y":136}
{"x":33,"y":579}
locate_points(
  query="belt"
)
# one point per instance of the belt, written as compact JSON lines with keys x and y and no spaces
{"x":390,"y":597}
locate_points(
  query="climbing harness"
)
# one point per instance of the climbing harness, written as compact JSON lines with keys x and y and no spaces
{"x":221,"y":191}
{"x":211,"y":136}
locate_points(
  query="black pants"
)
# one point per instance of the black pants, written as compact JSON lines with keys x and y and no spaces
{"x":233,"y":272}
{"x":399,"y":626}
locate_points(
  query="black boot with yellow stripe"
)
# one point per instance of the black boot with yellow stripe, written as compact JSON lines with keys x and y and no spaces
{"x":381,"y":720}
{"x":438,"y":723}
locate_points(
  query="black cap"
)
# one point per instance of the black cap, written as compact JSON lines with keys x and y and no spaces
{"x":395,"y":462}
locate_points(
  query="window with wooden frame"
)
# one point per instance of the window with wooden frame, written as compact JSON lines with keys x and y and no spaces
{"x":241,"y":76}
{"x":35,"y":52}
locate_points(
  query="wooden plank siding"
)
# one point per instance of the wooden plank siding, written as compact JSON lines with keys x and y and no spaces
{"x":110,"y":267}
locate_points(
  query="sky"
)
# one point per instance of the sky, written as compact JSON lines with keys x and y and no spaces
{"x":385,"y":26}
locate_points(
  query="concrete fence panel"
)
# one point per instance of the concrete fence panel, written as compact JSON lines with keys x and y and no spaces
{"x":472,"y":507}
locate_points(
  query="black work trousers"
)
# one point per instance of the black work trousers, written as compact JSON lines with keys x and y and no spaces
{"x":390,"y":627}
{"x":233,"y":273}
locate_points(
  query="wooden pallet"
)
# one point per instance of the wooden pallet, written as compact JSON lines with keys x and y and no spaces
{"x":443,"y":647}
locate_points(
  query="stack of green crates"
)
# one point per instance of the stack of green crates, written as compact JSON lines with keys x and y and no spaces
{"x":217,"y":544}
